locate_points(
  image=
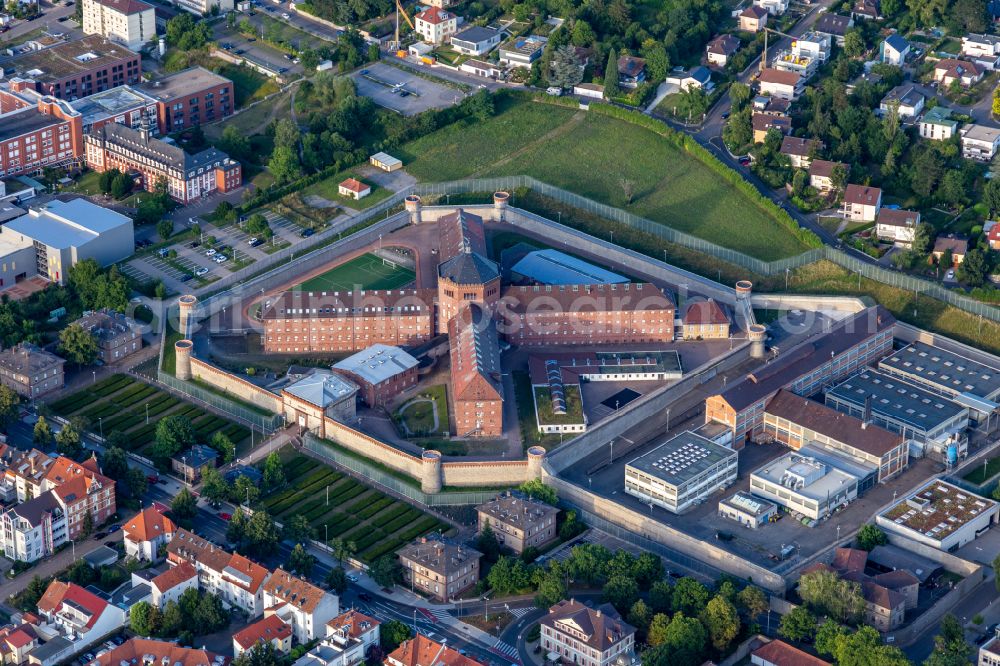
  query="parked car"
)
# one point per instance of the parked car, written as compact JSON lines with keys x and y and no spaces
{"x":101,"y":535}
{"x":950,"y":274}
{"x":114,"y":528}
{"x":163,"y":252}
{"x":112,"y":543}
{"x":306,"y":233}
{"x":152,"y":478}
{"x":201,"y":271}
{"x":186,"y":277}
{"x":210,"y":252}
{"x":364,"y":596}
{"x":353,"y":578}
{"x":285,"y":15}
{"x":221,"y":258}
{"x":555,"y":91}
{"x":225,"y":516}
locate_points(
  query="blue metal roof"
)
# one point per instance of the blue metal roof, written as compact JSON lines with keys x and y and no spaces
{"x":554,"y":267}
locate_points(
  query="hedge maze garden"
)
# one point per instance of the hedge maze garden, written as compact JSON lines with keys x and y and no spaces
{"x":375,"y":523}
{"x":123,"y":403}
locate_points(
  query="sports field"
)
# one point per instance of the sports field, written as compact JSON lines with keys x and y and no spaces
{"x":364,"y":272}
{"x":606,"y":159}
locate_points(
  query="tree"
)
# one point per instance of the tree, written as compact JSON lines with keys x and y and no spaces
{"x":870,"y":536}
{"x":950,"y":646}
{"x":33,"y":591}
{"x":611,"y":88}
{"x":680,"y":643}
{"x":342,"y":550}
{"x":392,"y":633}
{"x":274,"y":473}
{"x":284,"y":165}
{"x":753,"y":600}
{"x":224,"y":446}
{"x":257,"y":225}
{"x":386,"y":571}
{"x":245,"y":491}
{"x":184,"y":505}
{"x":336,"y":580}
{"x":9,"y":401}
{"x":923,"y":238}
{"x":261,"y":537}
{"x":165,"y":229}
{"x":262,"y":654}
{"x":68,"y":442}
{"x":42,"y":433}
{"x":173,"y":434}
{"x":301,"y":561}
{"x":136,"y":483}
{"x":798,"y":625}
{"x":854,"y":43}
{"x":114,"y":462}
{"x":298,"y":529}
{"x":88,"y":525}
{"x":121,"y":185}
{"x":535,"y":489}
{"x":661,"y":596}
{"x":689,"y":597}
{"x":106,"y":180}
{"x":235,"y":144}
{"x":739,"y":95}
{"x":210,"y":615}
{"x":172,"y":619}
{"x":142,"y":619}
{"x":826,"y":636}
{"x":864,"y":647}
{"x":657,"y":60}
{"x":551,"y":589}
{"x":509,"y":575}
{"x":237,"y":527}
{"x":991,"y":191}
{"x":639,"y":616}
{"x":621,"y":592}
{"x":975,"y":269}
{"x":487,"y":544}
{"x":658,"y":627}
{"x":722,"y":622}
{"x":825,"y":592}
{"x":77,"y":345}
{"x":566,"y":70}
{"x":693,"y":103}
{"x":213,"y":487}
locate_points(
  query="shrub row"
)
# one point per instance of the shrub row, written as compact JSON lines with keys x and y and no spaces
{"x":375,"y":507}
{"x":341,"y":525}
{"x":144,"y":391}
{"x":110,"y":385}
{"x":378,"y":550}
{"x":402,"y":521}
{"x":390,"y":515}
{"x":373,"y":537}
{"x":423,"y":526}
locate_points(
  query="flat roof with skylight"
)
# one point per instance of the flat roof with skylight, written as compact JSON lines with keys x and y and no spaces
{"x":943,"y":371}
{"x":940,"y":514}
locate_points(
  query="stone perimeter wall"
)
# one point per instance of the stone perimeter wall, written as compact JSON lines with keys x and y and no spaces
{"x":240,"y":388}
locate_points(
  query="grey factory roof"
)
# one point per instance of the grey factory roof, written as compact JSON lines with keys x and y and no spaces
{"x":51,"y":649}
{"x":160,"y":152}
{"x":110,"y":103}
{"x":322,"y":388}
{"x":63,"y":60}
{"x":377,"y":363}
{"x":65,"y":224}
{"x":185,"y":82}
{"x":948,"y":371}
{"x":555,"y":267}
{"x":24,"y":121}
{"x":822,"y":487}
{"x":469,"y":268}
{"x":896,"y":399}
{"x":681,"y":458}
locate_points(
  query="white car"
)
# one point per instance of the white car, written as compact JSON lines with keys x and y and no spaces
{"x":201,"y":271}
{"x":221,"y":258}
{"x":210,"y":253}
{"x":285,"y":16}
{"x":950,"y":274}
{"x":352,"y":578}
{"x":555,"y":91}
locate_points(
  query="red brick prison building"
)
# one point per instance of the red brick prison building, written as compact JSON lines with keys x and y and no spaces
{"x":302,"y":321}
{"x":190,"y":97}
{"x":37,"y":131}
{"x":546,"y":315}
{"x":465,"y":274}
{"x":76,"y":69}
{"x":380,"y":371}
{"x":476,"y":387}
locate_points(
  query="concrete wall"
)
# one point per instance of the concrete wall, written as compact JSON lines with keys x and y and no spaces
{"x":372,"y":448}
{"x":949,"y":561}
{"x":498,"y":473}
{"x":240,"y":388}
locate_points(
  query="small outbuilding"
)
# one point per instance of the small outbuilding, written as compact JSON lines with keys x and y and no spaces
{"x":354,"y":189}
{"x":386,"y":162}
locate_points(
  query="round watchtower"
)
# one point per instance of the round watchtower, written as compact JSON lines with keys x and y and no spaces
{"x":743,"y":289}
{"x":430,"y":481}
{"x":186,"y":305}
{"x":182,"y":356}
{"x":500,"y":201}
{"x":757,"y":333}
{"x":536,"y":456}
{"x":412,"y":203}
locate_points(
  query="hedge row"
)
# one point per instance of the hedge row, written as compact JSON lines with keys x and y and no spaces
{"x":388,"y":516}
{"x":373,"y":537}
{"x":110,"y":385}
{"x":374,"y":507}
{"x":423,"y":526}
{"x":402,"y":521}
{"x":134,"y":396}
{"x":379,"y":549}
{"x":341,"y":524}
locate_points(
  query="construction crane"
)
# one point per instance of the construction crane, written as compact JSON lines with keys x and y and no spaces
{"x":763,"y":56}
{"x":400,"y":10}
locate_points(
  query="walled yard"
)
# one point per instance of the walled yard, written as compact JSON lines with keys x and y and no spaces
{"x":339,"y":507}
{"x":125,"y":404}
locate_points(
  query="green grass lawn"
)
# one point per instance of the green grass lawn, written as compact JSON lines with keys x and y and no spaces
{"x":85,"y":184}
{"x":574,"y":406}
{"x":667,"y":186}
{"x":327,"y":188}
{"x":248,"y":85}
{"x":980,"y":473}
{"x":526,"y":414}
{"x":364,"y":272}
{"x":418,"y":418}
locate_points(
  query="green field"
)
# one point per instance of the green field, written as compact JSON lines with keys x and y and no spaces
{"x":364,"y":272}
{"x":338,"y":506}
{"x":562,"y":146}
{"x":125,"y":404}
{"x":416,"y":416}
{"x":327,"y":188}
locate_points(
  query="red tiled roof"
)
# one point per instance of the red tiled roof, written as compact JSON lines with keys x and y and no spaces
{"x":354,"y":185}
{"x":294,"y":590}
{"x":174,"y":576}
{"x":753,"y":11}
{"x":262,"y":631}
{"x":147,"y":525}
{"x":21,"y":637}
{"x":704,"y":312}
{"x":779,"y":77}
{"x":955,"y":68}
{"x":434,"y":15}
{"x":137,"y":650}
{"x":58,"y":593}
{"x":795,"y":145}
{"x":782,"y":654}
{"x":354,"y":621}
{"x":824,"y":168}
{"x":422,"y":651}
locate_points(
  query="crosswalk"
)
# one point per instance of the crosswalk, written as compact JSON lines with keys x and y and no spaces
{"x":520,"y":612}
{"x":438,"y":613}
{"x":506,"y":649}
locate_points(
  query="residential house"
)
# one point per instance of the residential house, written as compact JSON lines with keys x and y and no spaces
{"x":301,"y":604}
{"x":147,"y":652}
{"x":696,"y":77}
{"x":422,"y":651}
{"x":439,"y":568}
{"x":522,"y":51}
{"x":189,"y":463}
{"x":866,"y":9}
{"x":937,"y":124}
{"x":587,"y":636}
{"x":771,"y":106}
{"x":631,"y":71}
{"x":435,"y":25}
{"x":986,"y":47}
{"x":812,"y":44}
{"x":963,"y":72}
{"x":773,"y":7}
{"x":993,"y":237}
{"x":780,"y":653}
{"x":476,"y":40}
{"x":519,"y":523}
{"x":821,"y":174}
{"x":897,"y":226}
{"x":16,"y":643}
{"x":720,"y":48}
{"x":704,"y":319}
{"x":482,"y":68}
{"x":271,"y":629}
{"x":349,"y":638}
{"x":33,"y":529}
{"x":800,"y":151}
{"x":172,"y":583}
{"x":146,"y":533}
{"x":82,"y":491}
{"x":236,"y":580}
{"x":117,"y":336}
{"x":894,"y":50}
{"x":763,"y":123}
{"x":979,"y":142}
{"x":905,"y":99}
{"x":786,"y":85}
{"x":834,"y":25}
{"x":78,"y":616}
{"x":30,"y":371}
{"x":352,"y":188}
{"x":753,"y":19}
{"x":861,"y":203}
{"x":989,"y":652}
{"x":786,"y":60}
{"x":959,"y":247}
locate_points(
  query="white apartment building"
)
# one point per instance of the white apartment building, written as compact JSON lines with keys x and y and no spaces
{"x":812,"y":44}
{"x":202,"y":7}
{"x":172,"y":583}
{"x":861,"y":203}
{"x":131,"y":23}
{"x":348,"y":639}
{"x":78,"y":616}
{"x":435,"y":25}
{"x":576,"y":634}
{"x":937,"y":124}
{"x":897,"y":226}
{"x":305,"y":607}
{"x":680,"y":472}
{"x":981,"y":46}
{"x":773,"y":7}
{"x":146,"y":532}
{"x":979,"y":142}
{"x":33,"y":529}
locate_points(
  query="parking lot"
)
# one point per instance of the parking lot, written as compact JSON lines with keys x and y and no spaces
{"x":403,"y":92}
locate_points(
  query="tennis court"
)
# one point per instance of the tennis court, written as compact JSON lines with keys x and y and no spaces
{"x":364,"y":272}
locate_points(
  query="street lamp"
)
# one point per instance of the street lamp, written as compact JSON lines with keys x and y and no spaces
{"x":100,"y":422}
